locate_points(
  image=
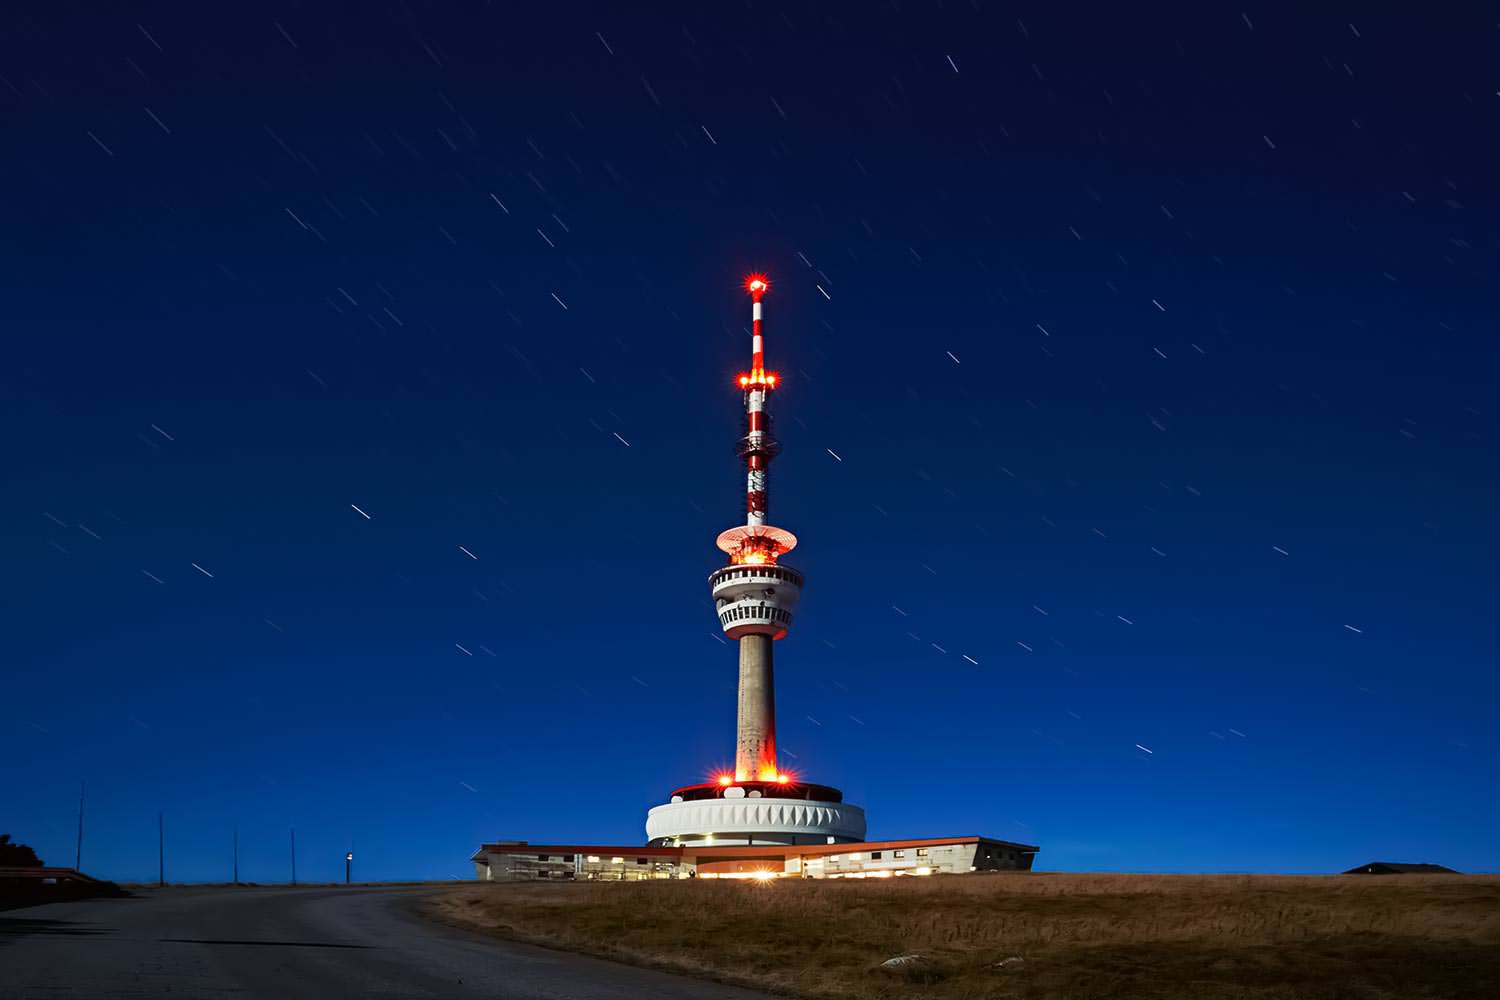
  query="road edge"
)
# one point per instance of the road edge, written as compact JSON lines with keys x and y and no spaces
{"x":424,"y":906}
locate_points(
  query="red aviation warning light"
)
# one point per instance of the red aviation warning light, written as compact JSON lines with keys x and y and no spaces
{"x":757,"y":380}
{"x":757,"y":284}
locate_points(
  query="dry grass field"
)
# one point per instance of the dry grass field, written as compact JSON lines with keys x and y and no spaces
{"x":1077,"y":936}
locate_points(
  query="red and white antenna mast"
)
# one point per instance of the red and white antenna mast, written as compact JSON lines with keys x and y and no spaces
{"x":758,"y":447}
{"x":757,"y":542}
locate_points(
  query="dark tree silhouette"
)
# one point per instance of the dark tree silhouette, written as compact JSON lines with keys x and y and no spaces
{"x":17,"y":855}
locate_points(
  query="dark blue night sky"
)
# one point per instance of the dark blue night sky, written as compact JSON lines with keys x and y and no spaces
{"x":1139,"y":393}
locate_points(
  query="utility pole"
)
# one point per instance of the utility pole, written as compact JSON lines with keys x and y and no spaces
{"x":161,"y":851}
{"x":294,"y":855}
{"x":236,"y":855}
{"x":348,"y":864}
{"x":78,"y":849}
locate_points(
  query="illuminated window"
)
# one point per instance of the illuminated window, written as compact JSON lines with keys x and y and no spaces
{"x":593,"y":859}
{"x":898,"y":854}
{"x":617,"y":861}
{"x":921,"y":852}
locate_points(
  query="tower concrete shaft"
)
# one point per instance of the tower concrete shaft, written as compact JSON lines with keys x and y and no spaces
{"x":755,"y":734}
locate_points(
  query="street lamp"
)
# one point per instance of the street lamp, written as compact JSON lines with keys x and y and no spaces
{"x":348,"y":864}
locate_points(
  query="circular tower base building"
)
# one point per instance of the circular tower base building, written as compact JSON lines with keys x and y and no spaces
{"x":754,"y":812}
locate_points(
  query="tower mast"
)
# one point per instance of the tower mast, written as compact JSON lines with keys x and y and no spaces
{"x":754,"y":595}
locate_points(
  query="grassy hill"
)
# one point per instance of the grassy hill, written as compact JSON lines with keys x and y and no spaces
{"x":1030,"y":936}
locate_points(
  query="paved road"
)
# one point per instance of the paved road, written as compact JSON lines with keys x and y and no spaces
{"x":294,"y":943}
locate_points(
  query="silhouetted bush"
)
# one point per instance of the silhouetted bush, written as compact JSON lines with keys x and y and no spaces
{"x":17,"y":855}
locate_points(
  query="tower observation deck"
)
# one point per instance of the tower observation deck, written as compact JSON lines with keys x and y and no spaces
{"x":754,"y":596}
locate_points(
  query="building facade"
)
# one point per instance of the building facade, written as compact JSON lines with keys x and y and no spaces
{"x":518,"y":861}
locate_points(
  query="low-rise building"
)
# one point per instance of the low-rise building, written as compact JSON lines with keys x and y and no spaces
{"x":517,"y":860}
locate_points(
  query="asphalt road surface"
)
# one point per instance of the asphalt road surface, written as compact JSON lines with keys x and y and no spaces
{"x":294,"y":943}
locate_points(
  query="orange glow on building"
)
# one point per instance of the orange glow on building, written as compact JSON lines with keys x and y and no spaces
{"x":726,"y":779}
{"x":757,"y":550}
